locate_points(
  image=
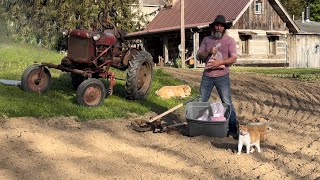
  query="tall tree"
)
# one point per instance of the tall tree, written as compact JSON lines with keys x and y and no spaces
{"x":315,"y":10}
{"x":40,"y":21}
{"x":296,"y":7}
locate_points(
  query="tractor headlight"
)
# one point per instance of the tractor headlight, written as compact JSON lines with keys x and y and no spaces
{"x":65,"y":32}
{"x":96,"y":37}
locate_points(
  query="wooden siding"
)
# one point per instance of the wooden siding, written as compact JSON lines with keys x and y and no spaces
{"x":267,"y":20}
{"x":304,"y":51}
{"x":259,"y":48}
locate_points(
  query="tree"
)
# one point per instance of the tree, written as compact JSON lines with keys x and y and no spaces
{"x":296,"y":7}
{"x":315,"y":10}
{"x":41,"y":21}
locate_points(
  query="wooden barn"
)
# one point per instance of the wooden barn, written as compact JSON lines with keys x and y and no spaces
{"x":260,"y":28}
{"x":304,"y":47}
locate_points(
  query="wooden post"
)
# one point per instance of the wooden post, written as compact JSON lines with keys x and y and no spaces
{"x":195,"y":47}
{"x":105,"y":11}
{"x":183,"y":46}
{"x":165,"y":48}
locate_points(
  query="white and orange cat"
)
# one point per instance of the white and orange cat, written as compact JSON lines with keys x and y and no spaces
{"x":248,"y":138}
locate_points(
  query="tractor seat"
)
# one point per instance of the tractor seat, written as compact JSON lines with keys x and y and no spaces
{"x":121,"y":33}
{"x":118,"y":33}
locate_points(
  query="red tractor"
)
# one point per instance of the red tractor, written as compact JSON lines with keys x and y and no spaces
{"x":90,"y":55}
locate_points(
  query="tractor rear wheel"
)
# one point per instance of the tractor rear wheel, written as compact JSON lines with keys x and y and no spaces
{"x":139,"y":76}
{"x":33,"y":80}
{"x":91,"y":93}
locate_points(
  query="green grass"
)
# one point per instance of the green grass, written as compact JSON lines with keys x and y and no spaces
{"x":60,"y":99}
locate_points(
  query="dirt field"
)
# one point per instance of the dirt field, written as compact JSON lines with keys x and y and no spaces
{"x":64,"y":148}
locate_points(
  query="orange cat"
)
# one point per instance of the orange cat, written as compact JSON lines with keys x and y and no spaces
{"x":248,"y":138}
{"x":167,"y":92}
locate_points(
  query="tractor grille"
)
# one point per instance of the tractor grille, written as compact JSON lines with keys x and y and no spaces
{"x":80,"y":49}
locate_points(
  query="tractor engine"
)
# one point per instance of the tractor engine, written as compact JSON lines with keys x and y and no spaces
{"x":87,"y":47}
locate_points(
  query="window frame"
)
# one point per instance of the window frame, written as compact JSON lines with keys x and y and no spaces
{"x":272,"y":45}
{"x":257,"y":7}
{"x":245,"y":44}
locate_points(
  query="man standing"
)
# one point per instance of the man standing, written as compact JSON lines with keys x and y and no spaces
{"x":216,"y":73}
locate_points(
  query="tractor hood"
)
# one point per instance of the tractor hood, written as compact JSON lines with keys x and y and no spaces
{"x":82,"y":33}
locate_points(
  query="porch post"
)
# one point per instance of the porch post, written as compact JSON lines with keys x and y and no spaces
{"x":142,"y":44}
{"x":195,"y":47}
{"x":182,"y":35}
{"x":165,"y":48}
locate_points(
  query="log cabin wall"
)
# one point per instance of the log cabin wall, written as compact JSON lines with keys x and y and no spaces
{"x":259,"y":42}
{"x":267,"y":20}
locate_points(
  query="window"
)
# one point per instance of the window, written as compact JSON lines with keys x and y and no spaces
{"x":245,"y":44}
{"x":257,"y":7}
{"x":273,"y":44}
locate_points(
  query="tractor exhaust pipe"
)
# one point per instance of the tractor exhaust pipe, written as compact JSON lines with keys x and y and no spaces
{"x":105,"y":11}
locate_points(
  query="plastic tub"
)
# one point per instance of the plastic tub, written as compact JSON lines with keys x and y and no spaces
{"x":206,"y":127}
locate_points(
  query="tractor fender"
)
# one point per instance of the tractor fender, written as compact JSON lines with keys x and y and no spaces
{"x":129,"y":56}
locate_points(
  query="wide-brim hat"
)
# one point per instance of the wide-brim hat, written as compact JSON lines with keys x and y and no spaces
{"x":220,"y":19}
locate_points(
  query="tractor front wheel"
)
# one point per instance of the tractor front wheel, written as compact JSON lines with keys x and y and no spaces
{"x":35,"y":79}
{"x":139,"y":76}
{"x":91,"y":93}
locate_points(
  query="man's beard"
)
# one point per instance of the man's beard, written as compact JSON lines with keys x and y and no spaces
{"x":217,"y":34}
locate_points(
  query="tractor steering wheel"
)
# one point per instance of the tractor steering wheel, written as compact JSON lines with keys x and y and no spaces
{"x":106,"y":25}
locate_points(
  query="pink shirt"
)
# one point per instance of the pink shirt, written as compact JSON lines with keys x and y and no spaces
{"x":227,"y":48}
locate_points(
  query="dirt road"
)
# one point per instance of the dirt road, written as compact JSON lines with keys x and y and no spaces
{"x":64,"y":148}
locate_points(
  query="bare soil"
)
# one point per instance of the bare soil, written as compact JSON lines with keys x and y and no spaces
{"x":66,"y":148}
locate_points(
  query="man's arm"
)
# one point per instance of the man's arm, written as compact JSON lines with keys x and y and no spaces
{"x":202,"y":52}
{"x":232,"y":49}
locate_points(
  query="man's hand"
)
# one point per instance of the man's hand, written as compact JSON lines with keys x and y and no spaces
{"x":215,"y":64}
{"x":212,"y":63}
{"x":205,"y":54}
{"x":213,"y":51}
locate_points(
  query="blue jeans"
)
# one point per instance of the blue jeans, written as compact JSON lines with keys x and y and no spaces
{"x":222,"y":85}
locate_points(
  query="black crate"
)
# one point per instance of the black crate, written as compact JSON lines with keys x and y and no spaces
{"x":194,"y":110}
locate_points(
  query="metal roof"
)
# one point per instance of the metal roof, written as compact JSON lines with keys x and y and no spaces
{"x":308,"y":27}
{"x":197,"y":13}
{"x":203,"y":12}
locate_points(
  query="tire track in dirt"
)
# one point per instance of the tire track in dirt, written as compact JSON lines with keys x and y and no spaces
{"x":261,"y":95}
{"x":305,"y":104}
{"x":295,"y":108}
{"x":264,"y":95}
{"x":293,"y":94}
{"x":313,"y":102}
{"x":251,"y":99}
{"x":305,"y":112}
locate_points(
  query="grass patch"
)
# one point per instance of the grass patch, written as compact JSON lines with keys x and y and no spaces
{"x":60,"y":99}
